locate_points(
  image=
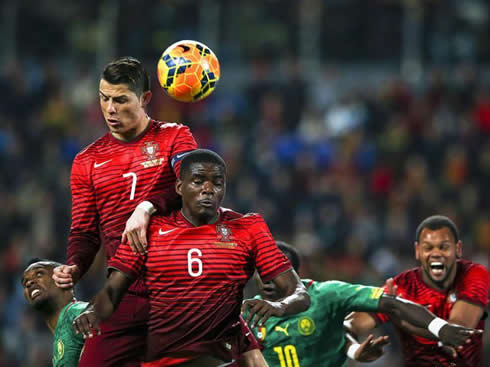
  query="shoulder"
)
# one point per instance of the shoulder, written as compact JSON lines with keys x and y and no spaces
{"x":88,"y":153}
{"x":75,"y":309}
{"x":158,"y":221}
{"x":469,"y":267}
{"x":169,"y":127}
{"x":407,"y":277}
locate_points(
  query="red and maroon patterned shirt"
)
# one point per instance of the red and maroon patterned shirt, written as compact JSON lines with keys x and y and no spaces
{"x":195,"y":277}
{"x":471,"y":284}
{"x":110,"y":177}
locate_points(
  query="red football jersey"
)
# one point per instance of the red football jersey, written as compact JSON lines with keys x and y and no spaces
{"x":195,"y":277}
{"x":110,"y":177}
{"x":471,"y":284}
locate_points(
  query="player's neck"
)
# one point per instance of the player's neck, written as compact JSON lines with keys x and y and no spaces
{"x":440,"y":286}
{"x":197,"y":222}
{"x":52,"y":318}
{"x":134,"y":133}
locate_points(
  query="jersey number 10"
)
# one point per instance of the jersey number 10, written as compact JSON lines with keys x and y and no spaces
{"x":287,"y":356}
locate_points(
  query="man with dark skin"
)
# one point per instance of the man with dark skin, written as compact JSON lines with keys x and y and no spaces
{"x":58,"y":307}
{"x":198,"y":262}
{"x":284,"y":338}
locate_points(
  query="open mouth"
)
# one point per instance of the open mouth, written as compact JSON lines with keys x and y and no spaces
{"x":436,"y":268}
{"x":36,"y":292}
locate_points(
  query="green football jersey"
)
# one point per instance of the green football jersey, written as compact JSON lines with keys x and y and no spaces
{"x":315,"y":337}
{"x":67,"y":345}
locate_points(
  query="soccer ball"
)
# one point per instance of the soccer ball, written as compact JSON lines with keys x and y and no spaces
{"x":188,"y":71}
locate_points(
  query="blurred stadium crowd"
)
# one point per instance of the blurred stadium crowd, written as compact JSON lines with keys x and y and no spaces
{"x":341,"y":166}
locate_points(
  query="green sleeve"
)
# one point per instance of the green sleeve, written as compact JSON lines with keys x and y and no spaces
{"x":351,"y":297}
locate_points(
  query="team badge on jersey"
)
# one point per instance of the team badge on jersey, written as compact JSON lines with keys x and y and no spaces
{"x":150,"y":149}
{"x":306,"y":326}
{"x":261,"y":333}
{"x":452,"y":297}
{"x":223,"y":233}
{"x":60,"y":349}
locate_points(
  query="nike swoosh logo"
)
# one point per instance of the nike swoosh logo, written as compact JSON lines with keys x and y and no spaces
{"x":184,"y":47}
{"x":160,"y":232}
{"x":178,"y":156}
{"x":101,"y":164}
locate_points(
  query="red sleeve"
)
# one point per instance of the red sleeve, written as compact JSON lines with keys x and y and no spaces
{"x":475,"y":285}
{"x":183,"y":142}
{"x":83,"y":240}
{"x":126,"y":261}
{"x":269,"y":260}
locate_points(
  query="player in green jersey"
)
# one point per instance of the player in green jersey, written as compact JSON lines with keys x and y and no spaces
{"x":58,"y":307}
{"x":316,"y":337}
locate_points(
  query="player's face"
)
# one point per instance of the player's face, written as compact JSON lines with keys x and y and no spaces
{"x":124,"y":112}
{"x":202,"y":189}
{"x":38,"y":284}
{"x":437,"y":252}
{"x":267,"y":290}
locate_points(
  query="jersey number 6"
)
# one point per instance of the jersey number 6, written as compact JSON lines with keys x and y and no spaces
{"x":191,"y":260}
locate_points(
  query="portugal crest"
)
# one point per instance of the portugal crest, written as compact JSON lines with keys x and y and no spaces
{"x":150,"y":149}
{"x":223,"y":234}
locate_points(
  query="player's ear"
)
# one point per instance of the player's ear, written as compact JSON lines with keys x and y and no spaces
{"x":146,"y":98}
{"x":416,"y":246}
{"x":459,"y":250}
{"x":178,"y":186}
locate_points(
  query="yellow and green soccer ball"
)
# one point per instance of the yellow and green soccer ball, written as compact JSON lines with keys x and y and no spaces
{"x":188,"y":71}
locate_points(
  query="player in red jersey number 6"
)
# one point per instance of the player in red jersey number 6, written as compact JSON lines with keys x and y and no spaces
{"x":198,"y":262}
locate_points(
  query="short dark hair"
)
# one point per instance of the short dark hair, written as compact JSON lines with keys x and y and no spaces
{"x":437,"y":222}
{"x":291,"y":253}
{"x":200,"y":156}
{"x":130,"y":71}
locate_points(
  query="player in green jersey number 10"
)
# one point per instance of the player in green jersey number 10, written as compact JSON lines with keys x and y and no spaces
{"x":315,"y":337}
{"x":58,"y":307}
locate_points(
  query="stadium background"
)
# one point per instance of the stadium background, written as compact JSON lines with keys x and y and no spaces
{"x":344,"y":122}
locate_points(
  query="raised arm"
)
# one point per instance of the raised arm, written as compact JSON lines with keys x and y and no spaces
{"x":102,"y":305}
{"x":420,"y":317}
{"x":295,"y":299}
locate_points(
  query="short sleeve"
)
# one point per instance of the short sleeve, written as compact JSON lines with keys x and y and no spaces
{"x":269,"y":260}
{"x":475,"y":286}
{"x":126,"y":261}
{"x":351,"y":297}
{"x":184,"y":142}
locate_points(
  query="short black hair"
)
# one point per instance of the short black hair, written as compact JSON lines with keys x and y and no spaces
{"x":436,"y":222}
{"x":291,"y":253}
{"x":130,"y":71}
{"x":200,"y":156}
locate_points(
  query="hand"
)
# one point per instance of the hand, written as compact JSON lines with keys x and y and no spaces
{"x":87,"y":322}
{"x":391,"y":287}
{"x":450,"y":351}
{"x":455,"y":335}
{"x":371,"y":349}
{"x":261,"y":310}
{"x":65,"y":276}
{"x":135,"y":231}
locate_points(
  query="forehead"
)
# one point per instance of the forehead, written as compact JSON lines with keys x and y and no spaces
{"x":38,"y":266}
{"x":436,"y":235}
{"x":114,"y":90}
{"x":205,"y":168}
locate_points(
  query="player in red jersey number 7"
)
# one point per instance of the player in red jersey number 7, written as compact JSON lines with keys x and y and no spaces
{"x":454,"y":289}
{"x":198,"y":262}
{"x":135,"y":162}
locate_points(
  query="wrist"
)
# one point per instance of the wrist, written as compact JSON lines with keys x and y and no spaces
{"x":147,"y":206}
{"x":436,"y":325}
{"x":351,"y":351}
